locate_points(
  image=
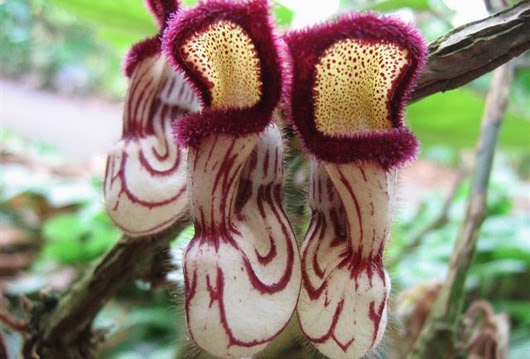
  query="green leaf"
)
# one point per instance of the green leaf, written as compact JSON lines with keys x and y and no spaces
{"x":63,"y":234}
{"x":284,"y":16}
{"x":100,"y":239}
{"x":496,"y":268}
{"x":125,"y":16}
{"x":62,"y":227}
{"x":117,"y":39}
{"x":189,"y":3}
{"x":74,"y":237}
{"x":392,"y":5}
{"x":453,"y":119}
{"x":184,"y":237}
{"x":518,"y":309}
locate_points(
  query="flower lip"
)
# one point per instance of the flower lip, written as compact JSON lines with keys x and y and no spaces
{"x":139,"y":52}
{"x":162,"y":9}
{"x":152,"y":46}
{"x":390,"y":146}
{"x":252,"y":20}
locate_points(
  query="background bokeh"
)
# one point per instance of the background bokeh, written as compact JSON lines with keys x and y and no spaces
{"x":60,"y":111}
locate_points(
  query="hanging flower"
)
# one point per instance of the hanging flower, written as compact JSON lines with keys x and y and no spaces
{"x":145,"y":180}
{"x":351,"y":79}
{"x":242,"y":267}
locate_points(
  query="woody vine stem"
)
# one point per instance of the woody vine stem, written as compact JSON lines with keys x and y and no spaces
{"x":442,"y":324}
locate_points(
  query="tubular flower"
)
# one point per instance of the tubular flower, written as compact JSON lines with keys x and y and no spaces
{"x":351,"y":79}
{"x":145,"y":181}
{"x":242,"y":267}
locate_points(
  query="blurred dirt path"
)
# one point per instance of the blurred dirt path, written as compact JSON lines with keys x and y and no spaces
{"x":81,"y":128}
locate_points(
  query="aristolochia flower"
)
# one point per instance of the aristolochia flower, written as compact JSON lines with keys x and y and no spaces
{"x":242,"y":267}
{"x":351,"y":79}
{"x":145,"y":181}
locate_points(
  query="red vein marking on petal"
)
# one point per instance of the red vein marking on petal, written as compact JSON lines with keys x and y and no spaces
{"x":270,"y":255}
{"x":331,"y":331}
{"x":134,"y":198}
{"x":284,"y":280}
{"x":348,"y":186}
{"x":266,"y":164}
{"x":154,"y":172}
{"x":375,"y":317}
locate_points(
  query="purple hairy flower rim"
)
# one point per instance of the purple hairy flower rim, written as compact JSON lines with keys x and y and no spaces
{"x":229,"y":52}
{"x":139,"y":52}
{"x":145,"y":178}
{"x":340,"y":118}
{"x":161,"y":11}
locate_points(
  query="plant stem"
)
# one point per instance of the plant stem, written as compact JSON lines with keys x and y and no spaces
{"x":67,"y":326}
{"x":437,"y":339}
{"x":474,"y":49}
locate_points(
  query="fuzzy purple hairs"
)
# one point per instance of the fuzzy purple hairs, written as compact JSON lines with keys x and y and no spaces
{"x":370,"y":36}
{"x":247,"y":115}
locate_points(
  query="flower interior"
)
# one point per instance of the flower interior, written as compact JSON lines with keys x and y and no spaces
{"x":225,"y":57}
{"x":349,"y":90}
{"x":227,"y":50}
{"x":145,"y":180}
{"x":351,"y":80}
{"x":242,"y":267}
{"x":352,"y":85}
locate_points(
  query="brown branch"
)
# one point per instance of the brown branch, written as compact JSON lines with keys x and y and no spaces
{"x":438,"y":335}
{"x":475,"y":49}
{"x":64,"y":331}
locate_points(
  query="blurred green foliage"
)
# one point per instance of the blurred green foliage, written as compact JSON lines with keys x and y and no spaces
{"x":142,"y":323}
{"x":502,"y":259}
{"x":384,"y":5}
{"x":453,"y":119}
{"x":121,"y":22}
{"x":49,"y":47}
{"x":392,"y":5}
{"x":78,"y":237}
{"x":75,"y":226}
